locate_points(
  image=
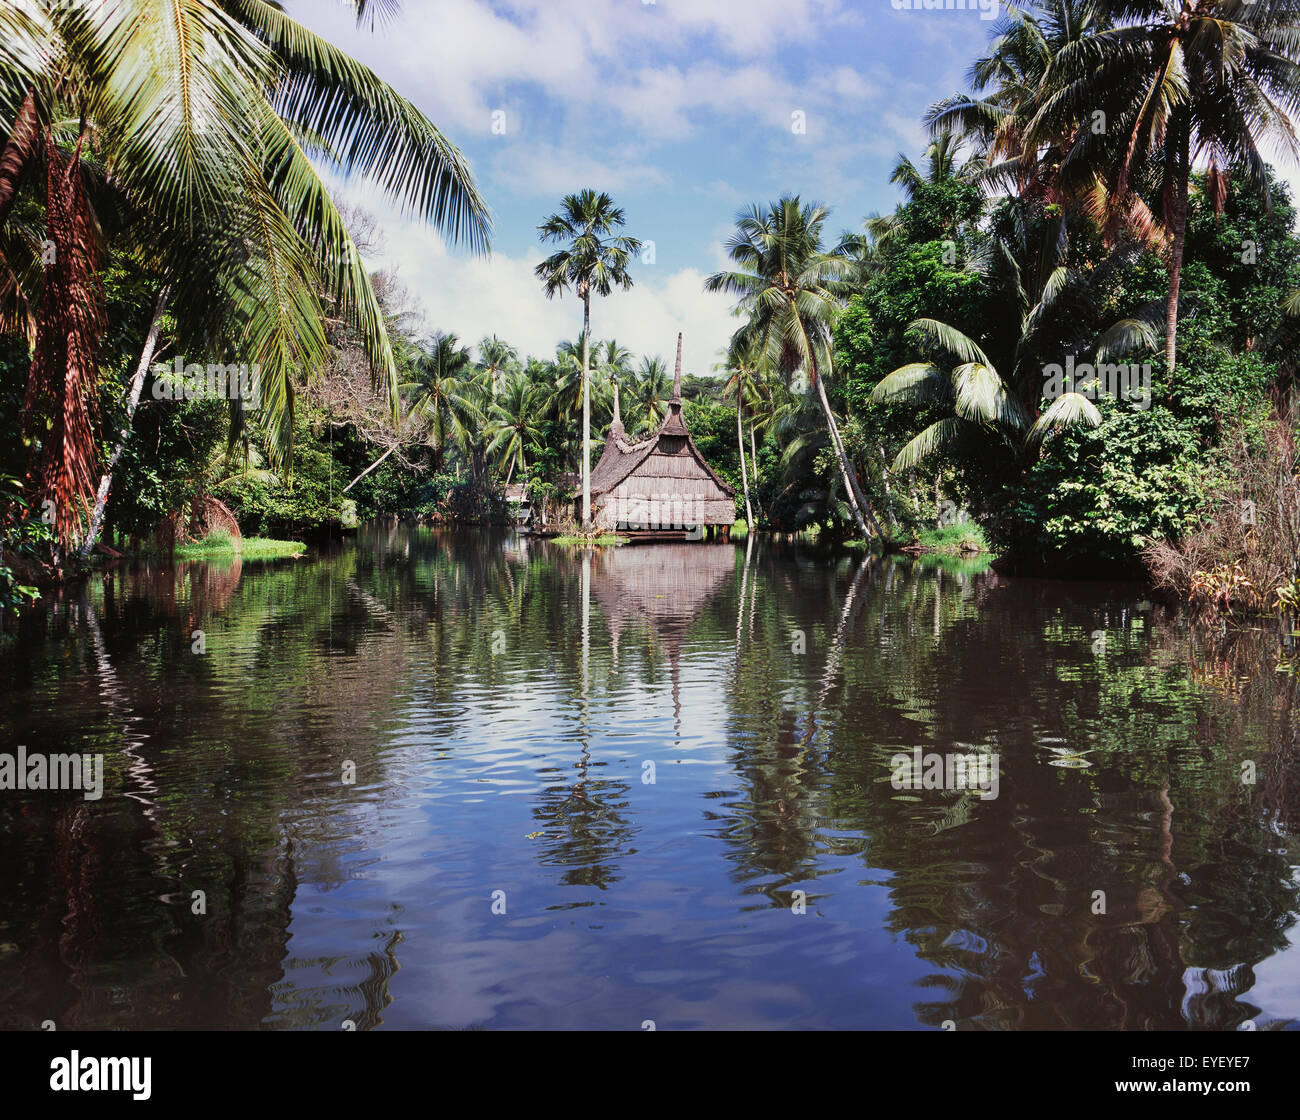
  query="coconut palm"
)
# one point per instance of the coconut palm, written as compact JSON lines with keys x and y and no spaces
{"x":791,"y":291}
{"x":613,"y":360}
{"x":942,"y":162}
{"x":1017,"y":74}
{"x":202,"y":123}
{"x":1037,"y":140}
{"x":443,"y":397}
{"x":1113,"y":117}
{"x":1052,"y":299}
{"x":564,"y":402}
{"x":595,"y":259}
{"x":742,"y":368}
{"x":497,"y":360}
{"x":649,"y":389}
{"x":614,"y":372}
{"x":1188,"y":81}
{"x":513,"y":424}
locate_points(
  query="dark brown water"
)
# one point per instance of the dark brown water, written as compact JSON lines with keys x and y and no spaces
{"x":677,"y":766}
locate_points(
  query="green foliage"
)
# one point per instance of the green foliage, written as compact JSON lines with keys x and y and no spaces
{"x":24,"y":540}
{"x":713,"y":427}
{"x":268,"y":506}
{"x":166,"y":462}
{"x":1098,"y":496}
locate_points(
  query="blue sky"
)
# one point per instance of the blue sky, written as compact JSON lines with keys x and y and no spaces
{"x":683,"y":110}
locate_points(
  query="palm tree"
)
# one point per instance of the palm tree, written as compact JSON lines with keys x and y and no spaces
{"x":743,"y":366}
{"x":1052,"y":299}
{"x":203,"y":122}
{"x":1018,"y":75}
{"x":646,"y":395}
{"x":1188,"y":81}
{"x":496,"y":361}
{"x":864,"y":250}
{"x":791,"y":291}
{"x":595,"y":259}
{"x":981,"y":402}
{"x":565,"y":399}
{"x":1182,"y":81}
{"x":941,"y":162}
{"x":442,"y":395}
{"x":513,"y":424}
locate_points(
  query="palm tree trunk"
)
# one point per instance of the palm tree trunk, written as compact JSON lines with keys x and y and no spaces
{"x":137,"y":385}
{"x":370,"y":468}
{"x":586,"y":414}
{"x":1182,"y":172}
{"x":753,"y":462}
{"x":889,"y":494}
{"x":744,"y":476}
{"x":857,"y":501}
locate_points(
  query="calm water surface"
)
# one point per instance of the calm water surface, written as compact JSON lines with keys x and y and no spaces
{"x":674,"y":765}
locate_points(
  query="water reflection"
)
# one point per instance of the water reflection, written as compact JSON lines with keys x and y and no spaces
{"x":651,"y":782}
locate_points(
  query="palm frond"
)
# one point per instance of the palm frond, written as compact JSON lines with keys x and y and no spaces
{"x":937,"y":437}
{"x":1068,"y":410}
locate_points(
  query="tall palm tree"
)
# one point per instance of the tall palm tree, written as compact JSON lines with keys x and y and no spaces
{"x":791,"y":291}
{"x":513,"y":424}
{"x":443,"y":397}
{"x":1190,"y":81}
{"x":1107,"y":107}
{"x":595,"y":259}
{"x":1038,"y":140}
{"x":742,"y":367}
{"x":1018,"y":75}
{"x":203,"y":122}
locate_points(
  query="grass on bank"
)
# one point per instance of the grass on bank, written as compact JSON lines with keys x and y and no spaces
{"x":951,"y":538}
{"x":222,"y":543}
{"x":947,"y":541}
{"x":606,"y":540}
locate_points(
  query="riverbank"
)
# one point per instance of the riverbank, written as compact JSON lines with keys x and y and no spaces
{"x":249,"y":548}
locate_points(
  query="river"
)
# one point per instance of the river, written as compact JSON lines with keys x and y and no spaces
{"x":459,"y":779}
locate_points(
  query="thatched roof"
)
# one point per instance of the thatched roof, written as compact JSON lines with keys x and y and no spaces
{"x":622,"y":456}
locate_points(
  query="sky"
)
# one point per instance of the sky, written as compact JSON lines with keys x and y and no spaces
{"x":684,"y":111}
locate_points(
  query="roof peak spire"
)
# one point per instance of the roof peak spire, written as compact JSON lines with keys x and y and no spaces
{"x":616,"y":428}
{"x":677,"y":371}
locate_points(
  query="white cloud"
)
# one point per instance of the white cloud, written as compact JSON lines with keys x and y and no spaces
{"x":461,"y":59}
{"x":477,"y":296}
{"x":540,"y":169}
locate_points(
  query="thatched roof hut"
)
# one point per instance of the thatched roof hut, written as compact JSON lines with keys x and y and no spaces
{"x":661,"y":481}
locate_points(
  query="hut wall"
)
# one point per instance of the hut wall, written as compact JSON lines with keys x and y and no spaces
{"x":677,"y":499}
